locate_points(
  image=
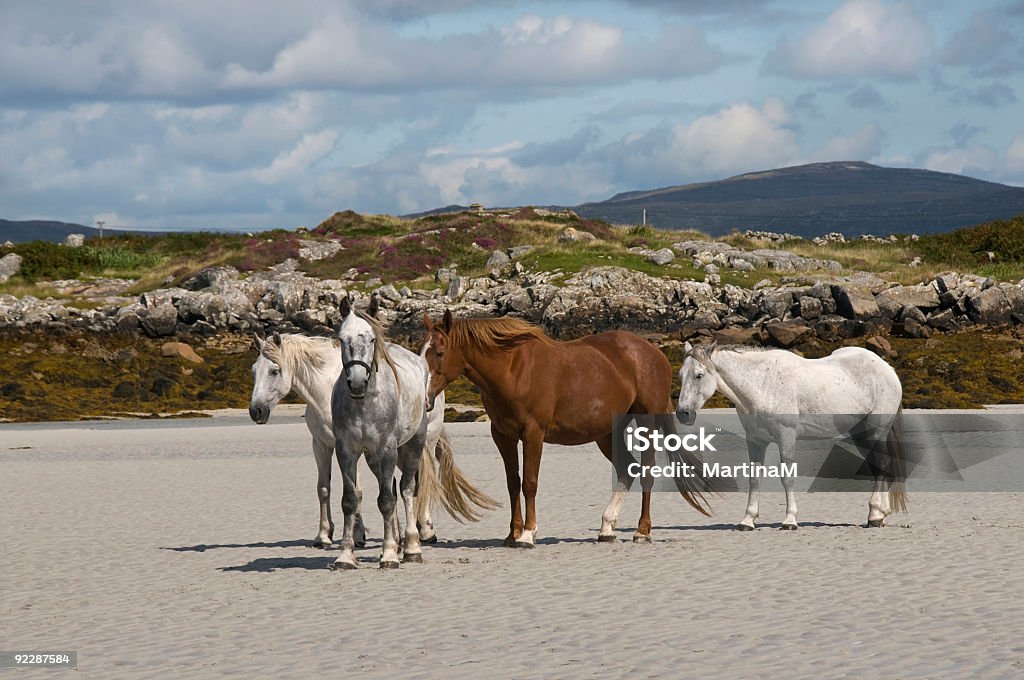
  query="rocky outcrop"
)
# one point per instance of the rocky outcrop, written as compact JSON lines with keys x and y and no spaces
{"x":785,"y":314}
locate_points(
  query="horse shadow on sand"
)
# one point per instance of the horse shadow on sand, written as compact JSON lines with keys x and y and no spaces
{"x":322,"y":560}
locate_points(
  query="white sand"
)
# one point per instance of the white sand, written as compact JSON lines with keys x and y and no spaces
{"x":179,"y":549}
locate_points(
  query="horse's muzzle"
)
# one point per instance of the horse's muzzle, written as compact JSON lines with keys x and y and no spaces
{"x":259,"y":414}
{"x":687,"y":418}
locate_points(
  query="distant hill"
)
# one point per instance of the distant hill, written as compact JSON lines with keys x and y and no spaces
{"x":23,"y":231}
{"x":42,"y":230}
{"x":809,"y":200}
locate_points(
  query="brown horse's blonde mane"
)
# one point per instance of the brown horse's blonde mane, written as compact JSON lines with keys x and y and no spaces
{"x":495,"y":335}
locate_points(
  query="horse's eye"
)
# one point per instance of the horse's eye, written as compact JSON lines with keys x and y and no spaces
{"x":275,"y":371}
{"x":699,"y":376}
{"x":440,"y":355}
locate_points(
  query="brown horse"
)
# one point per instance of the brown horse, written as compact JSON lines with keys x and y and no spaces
{"x":536,"y":389}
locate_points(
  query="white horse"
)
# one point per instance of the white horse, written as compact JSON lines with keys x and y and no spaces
{"x":379,"y":411}
{"x":310,"y":366}
{"x":780,"y":396}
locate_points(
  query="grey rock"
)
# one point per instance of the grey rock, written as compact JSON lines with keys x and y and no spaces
{"x":519,"y":251}
{"x":662,"y":257}
{"x":855,"y":302}
{"x":810,"y":307}
{"x":9,"y":266}
{"x":216,"y":278}
{"x":924,"y":297}
{"x":989,"y":306}
{"x":497,"y":260}
{"x":74,"y":240}
{"x":159,"y":321}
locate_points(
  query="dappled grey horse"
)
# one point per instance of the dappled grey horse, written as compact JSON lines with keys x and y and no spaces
{"x":379,"y":411}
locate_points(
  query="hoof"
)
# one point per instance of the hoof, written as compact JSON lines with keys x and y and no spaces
{"x":339,"y":565}
{"x":743,"y":527}
{"x":788,"y":527}
{"x":875,"y":523}
{"x":509,"y":542}
{"x":607,"y":538}
{"x":388,"y":565}
{"x":413,"y":557}
{"x":322,"y":545}
{"x":524,"y":545}
{"x":642,"y":538}
{"x":429,"y":541}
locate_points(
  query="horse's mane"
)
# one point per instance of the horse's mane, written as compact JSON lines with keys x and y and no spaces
{"x":494,"y":335}
{"x":702,"y":353}
{"x":298,"y":350}
{"x":380,"y":352}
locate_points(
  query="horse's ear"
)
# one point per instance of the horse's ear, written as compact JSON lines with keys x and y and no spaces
{"x":346,"y":307}
{"x":688,"y":347}
{"x":713,"y":346}
{"x":374,"y":306}
{"x":258,"y":341}
{"x":446,"y":321}
{"x":277,"y":338}
{"x":427,"y":322}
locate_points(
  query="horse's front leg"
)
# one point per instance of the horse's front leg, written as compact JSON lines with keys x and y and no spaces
{"x":348,"y":461}
{"x":359,"y":534}
{"x":509,"y":449}
{"x":787,"y":453}
{"x":755,"y":451}
{"x":323,"y":452}
{"x":383,"y":467}
{"x":533,"y":447}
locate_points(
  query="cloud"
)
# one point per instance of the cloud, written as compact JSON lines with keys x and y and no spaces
{"x":978,"y":43}
{"x":139,"y":51}
{"x":992,"y":95}
{"x":867,"y":97}
{"x":864,"y":144}
{"x":971,"y":157}
{"x":311,"y":148}
{"x":861,"y":38}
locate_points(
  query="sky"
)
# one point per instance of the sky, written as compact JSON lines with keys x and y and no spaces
{"x":244,"y":114}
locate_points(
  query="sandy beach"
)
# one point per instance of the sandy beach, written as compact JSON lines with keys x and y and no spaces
{"x":181,"y":549}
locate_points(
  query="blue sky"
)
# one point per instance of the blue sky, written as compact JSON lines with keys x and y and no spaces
{"x":241,"y":114}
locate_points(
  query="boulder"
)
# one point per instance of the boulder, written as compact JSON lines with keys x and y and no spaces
{"x":988,"y":306}
{"x":810,"y":307}
{"x":855,"y":301}
{"x":663,"y":257}
{"x":735,"y":335}
{"x":788,"y":333}
{"x":881,"y":347}
{"x":159,"y":321}
{"x":924,"y":297}
{"x":574,"y":235}
{"x":74,"y":240}
{"x":519,"y":251}
{"x":497,"y":260}
{"x":9,"y":266}
{"x":211,"y":277}
{"x":182,"y":350}
{"x":912,"y":328}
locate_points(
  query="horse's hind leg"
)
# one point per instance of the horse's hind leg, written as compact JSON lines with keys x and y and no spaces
{"x":348,"y":462}
{"x":424,"y":522}
{"x":755,"y":451}
{"x":787,"y":444}
{"x":610,"y":516}
{"x":410,"y":457}
{"x":533,"y":447}
{"x":323,"y":453}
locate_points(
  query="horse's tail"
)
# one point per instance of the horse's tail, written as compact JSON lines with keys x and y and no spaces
{"x":695,"y":487}
{"x":428,"y":489}
{"x":458,"y":496}
{"x":897,"y":465}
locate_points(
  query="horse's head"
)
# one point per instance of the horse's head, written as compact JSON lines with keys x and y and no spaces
{"x":271,"y":381}
{"x":698,"y":379}
{"x":358,"y":350}
{"x":444,"y":357}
